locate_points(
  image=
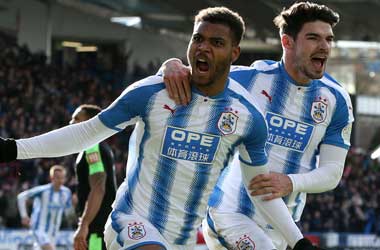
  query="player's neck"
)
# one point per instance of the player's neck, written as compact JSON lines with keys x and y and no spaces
{"x":294,"y":73}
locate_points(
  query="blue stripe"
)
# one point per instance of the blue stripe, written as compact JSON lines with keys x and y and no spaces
{"x":125,"y":108}
{"x":293,"y":159}
{"x":217,"y":194}
{"x":116,"y":226}
{"x":313,"y":160}
{"x":245,"y":77}
{"x":203,"y":172}
{"x":192,"y":204}
{"x":210,"y":223}
{"x":37,"y":238}
{"x":254,"y":137}
{"x":137,"y":246}
{"x":245,"y":207}
{"x":133,"y":176}
{"x":331,"y":78}
{"x":58,"y":212}
{"x":37,"y":212}
{"x":162,"y":187}
{"x":278,"y":89}
{"x":165,"y":172}
{"x":298,"y":202}
{"x":339,"y":120}
{"x":47,"y":226}
{"x":198,"y":185}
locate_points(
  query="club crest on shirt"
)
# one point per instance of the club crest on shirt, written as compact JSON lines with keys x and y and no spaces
{"x":227,"y":123}
{"x":319,"y":110}
{"x":245,"y":243}
{"x":136,"y":230}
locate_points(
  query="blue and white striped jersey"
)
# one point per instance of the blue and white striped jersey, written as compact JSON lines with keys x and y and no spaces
{"x":300,"y":118}
{"x":48,"y":207}
{"x":177,"y":152}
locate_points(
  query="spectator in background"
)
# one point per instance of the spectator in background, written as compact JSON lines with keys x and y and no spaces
{"x":50,"y":201}
{"x":95,"y":171}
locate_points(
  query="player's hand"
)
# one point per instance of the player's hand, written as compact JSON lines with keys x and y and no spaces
{"x":272,"y":185}
{"x":25,"y":222}
{"x":177,"y":81}
{"x":305,"y":244}
{"x":8,"y":150}
{"x":80,"y":236}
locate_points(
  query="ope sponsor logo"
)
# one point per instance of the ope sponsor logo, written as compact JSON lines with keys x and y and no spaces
{"x":191,"y":137}
{"x":288,"y":133}
{"x":287,"y":124}
{"x":188,"y":145}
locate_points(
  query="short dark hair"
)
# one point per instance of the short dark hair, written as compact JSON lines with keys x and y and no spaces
{"x":90,"y":109}
{"x":291,"y":20}
{"x":223,"y":15}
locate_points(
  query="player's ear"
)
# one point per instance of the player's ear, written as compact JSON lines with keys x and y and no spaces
{"x":235,"y":53}
{"x":287,"y":41}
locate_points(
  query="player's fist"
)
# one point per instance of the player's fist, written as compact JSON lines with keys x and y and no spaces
{"x":305,"y":244}
{"x":8,"y":150}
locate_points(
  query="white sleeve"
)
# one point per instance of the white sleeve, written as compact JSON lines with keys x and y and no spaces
{"x":274,"y":211}
{"x":64,"y":141}
{"x":21,"y":203}
{"x":326,"y":176}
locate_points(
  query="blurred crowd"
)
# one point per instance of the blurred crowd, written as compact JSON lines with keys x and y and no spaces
{"x":37,"y":97}
{"x":354,"y":206}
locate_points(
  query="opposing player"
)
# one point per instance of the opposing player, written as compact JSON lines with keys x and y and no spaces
{"x":95,"y":171}
{"x":177,"y":152}
{"x":308,"y":114}
{"x":50,"y":201}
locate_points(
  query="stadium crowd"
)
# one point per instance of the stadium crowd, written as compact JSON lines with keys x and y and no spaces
{"x":37,"y":97}
{"x":354,"y":205}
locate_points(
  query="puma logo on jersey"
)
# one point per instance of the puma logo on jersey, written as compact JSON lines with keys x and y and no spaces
{"x":266,"y":95}
{"x":169,"y":108}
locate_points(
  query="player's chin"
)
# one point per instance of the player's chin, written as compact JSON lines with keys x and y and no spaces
{"x":316,"y":74}
{"x":201,"y":80}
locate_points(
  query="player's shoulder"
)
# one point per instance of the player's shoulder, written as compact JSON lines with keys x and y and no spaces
{"x":258,"y":65}
{"x":66,"y":189}
{"x":245,"y":97}
{"x":335,"y":87}
{"x":145,"y":87}
{"x":245,"y":75}
{"x":150,"y":80}
{"x":41,"y":188}
{"x":265,"y":65}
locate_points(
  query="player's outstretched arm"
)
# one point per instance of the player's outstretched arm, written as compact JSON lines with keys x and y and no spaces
{"x":60,"y":142}
{"x":8,"y":150}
